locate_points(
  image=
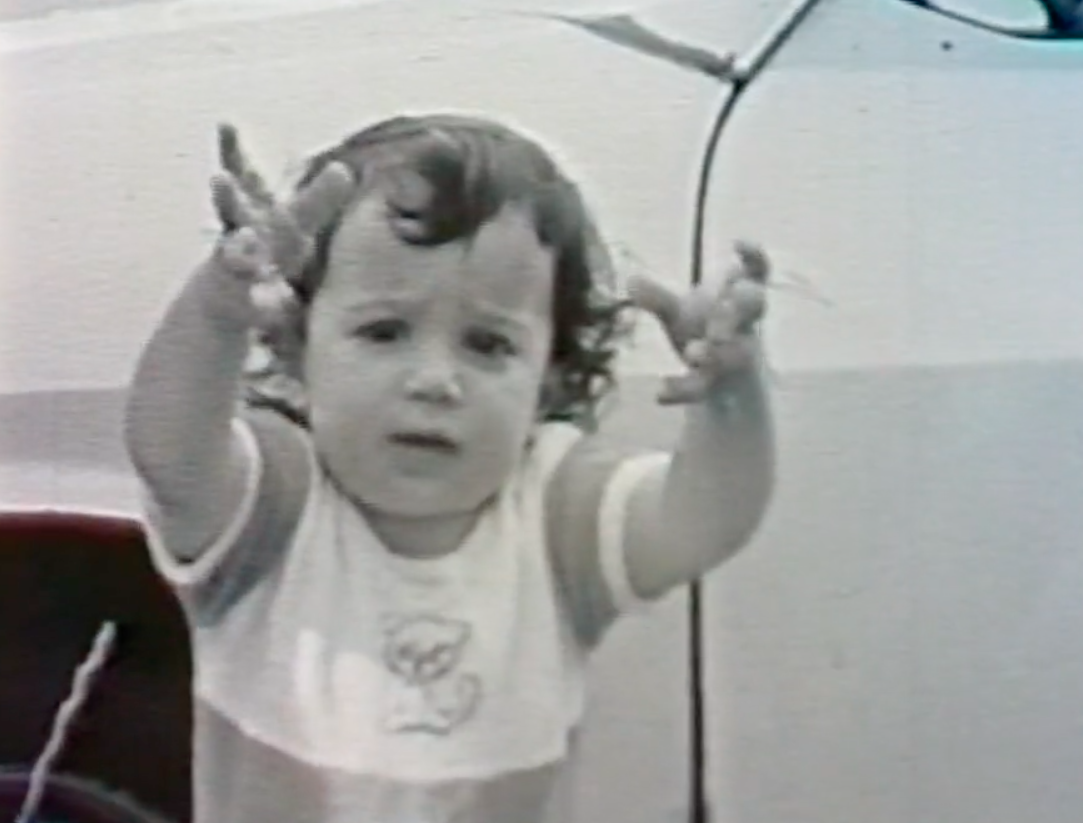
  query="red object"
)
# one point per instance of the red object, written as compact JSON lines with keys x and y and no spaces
{"x":62,"y":574}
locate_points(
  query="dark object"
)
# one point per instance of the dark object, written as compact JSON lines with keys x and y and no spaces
{"x":61,"y":576}
{"x":624,"y":30}
{"x":1064,"y":20}
{"x":1064,"y":16}
{"x":737,"y":86}
{"x":72,"y":800}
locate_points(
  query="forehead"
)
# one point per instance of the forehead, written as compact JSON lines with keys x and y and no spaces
{"x":504,"y":263}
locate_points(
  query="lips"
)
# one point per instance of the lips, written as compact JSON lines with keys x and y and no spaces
{"x":431,"y":441}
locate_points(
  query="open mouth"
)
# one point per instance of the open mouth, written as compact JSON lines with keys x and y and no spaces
{"x":426,"y":441}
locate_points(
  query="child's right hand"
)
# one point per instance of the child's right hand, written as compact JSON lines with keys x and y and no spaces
{"x":267,"y":243}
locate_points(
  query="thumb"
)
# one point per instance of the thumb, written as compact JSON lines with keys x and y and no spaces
{"x":683,"y":317}
{"x":656,"y":299}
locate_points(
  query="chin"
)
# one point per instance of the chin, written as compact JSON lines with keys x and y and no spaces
{"x":421,"y":500}
{"x":384,"y":488}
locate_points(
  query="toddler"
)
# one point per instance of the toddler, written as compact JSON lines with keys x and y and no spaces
{"x":365,"y":430}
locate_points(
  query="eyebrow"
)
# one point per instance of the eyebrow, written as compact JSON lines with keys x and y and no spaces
{"x":491,"y":311}
{"x":369,"y":300}
{"x":486,"y":311}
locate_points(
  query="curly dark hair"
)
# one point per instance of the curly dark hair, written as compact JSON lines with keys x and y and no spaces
{"x":474,"y":167}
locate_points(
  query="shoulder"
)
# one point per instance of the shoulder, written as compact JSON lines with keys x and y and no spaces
{"x":550,"y":445}
{"x":589,"y":488}
{"x":281,"y":474}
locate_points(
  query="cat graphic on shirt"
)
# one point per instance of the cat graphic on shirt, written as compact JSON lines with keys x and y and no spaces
{"x":424,"y":653}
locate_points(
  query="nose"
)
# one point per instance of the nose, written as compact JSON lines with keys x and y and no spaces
{"x":435,"y":379}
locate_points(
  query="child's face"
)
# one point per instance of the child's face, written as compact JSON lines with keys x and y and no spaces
{"x":424,"y":365}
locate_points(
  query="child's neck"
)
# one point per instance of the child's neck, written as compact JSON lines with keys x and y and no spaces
{"x":422,"y":538}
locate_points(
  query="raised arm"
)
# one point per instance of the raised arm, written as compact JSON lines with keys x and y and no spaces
{"x":179,"y":423}
{"x":181,"y":404}
{"x":629,"y":527}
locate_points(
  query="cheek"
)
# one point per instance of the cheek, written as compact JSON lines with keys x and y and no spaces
{"x":341,"y":393}
{"x":514,"y":403}
{"x":525,"y":385}
{"x":330,"y":357}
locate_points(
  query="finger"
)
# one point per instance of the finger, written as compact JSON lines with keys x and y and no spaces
{"x":233,"y":159}
{"x":651,"y":296}
{"x":749,"y":301}
{"x":682,"y":317}
{"x":667,"y":307}
{"x":243,"y":253}
{"x":230,"y":207}
{"x":683,"y":389}
{"x":321,"y":201}
{"x":740,"y":307}
{"x":754,"y":260}
{"x":274,"y":302}
{"x":697,"y":353}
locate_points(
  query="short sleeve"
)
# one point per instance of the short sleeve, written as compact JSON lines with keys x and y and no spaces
{"x":616,"y":497}
{"x":279,"y":478}
{"x":187,"y":575}
{"x":587,"y":509}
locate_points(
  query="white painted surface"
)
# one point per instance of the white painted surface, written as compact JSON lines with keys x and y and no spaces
{"x":930,"y":194}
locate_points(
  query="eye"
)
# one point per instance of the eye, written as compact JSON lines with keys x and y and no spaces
{"x":388,"y":330}
{"x":407,"y":213}
{"x":490,"y":344}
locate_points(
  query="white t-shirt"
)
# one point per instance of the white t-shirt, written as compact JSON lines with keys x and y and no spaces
{"x":336,"y":682}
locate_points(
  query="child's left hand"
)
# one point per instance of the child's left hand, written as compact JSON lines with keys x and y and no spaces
{"x":714,"y":329}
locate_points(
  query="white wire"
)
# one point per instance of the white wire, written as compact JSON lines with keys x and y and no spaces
{"x":82,"y":681}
